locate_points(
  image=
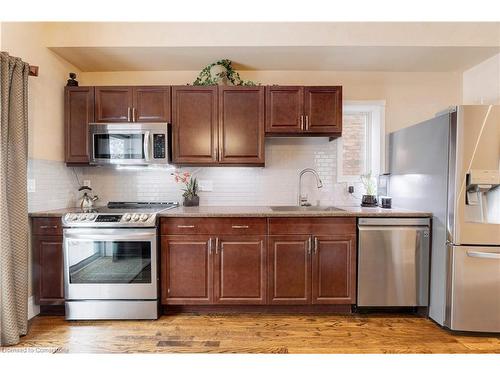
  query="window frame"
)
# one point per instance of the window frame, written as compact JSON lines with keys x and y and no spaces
{"x":375,"y":138}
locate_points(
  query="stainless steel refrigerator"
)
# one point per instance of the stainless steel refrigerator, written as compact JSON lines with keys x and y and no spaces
{"x":450,"y":165}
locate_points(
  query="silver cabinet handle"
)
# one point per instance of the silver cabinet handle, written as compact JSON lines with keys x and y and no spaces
{"x":48,"y":227}
{"x":309,"y":245}
{"x":301,"y":122}
{"x":216,"y":245}
{"x":220,"y":153}
{"x":210,"y":246}
{"x":133,"y":114}
{"x":315,"y":245}
{"x":307,"y":122}
{"x":239,"y":226}
{"x":128,"y":114}
{"x":481,"y":254}
{"x":185,"y":226}
{"x":215,"y":153}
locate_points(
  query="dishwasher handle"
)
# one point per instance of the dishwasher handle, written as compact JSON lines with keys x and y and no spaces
{"x":394,"y":221}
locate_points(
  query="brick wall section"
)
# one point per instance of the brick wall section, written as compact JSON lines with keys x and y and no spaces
{"x":353,"y":138}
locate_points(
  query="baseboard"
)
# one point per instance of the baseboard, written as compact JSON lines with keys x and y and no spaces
{"x":33,"y":309}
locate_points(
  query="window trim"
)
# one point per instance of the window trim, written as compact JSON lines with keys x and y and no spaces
{"x":375,"y":134}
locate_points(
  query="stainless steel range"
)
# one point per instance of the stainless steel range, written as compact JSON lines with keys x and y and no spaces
{"x":110,"y":261}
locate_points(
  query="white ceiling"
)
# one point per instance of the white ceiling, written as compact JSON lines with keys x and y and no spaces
{"x":335,"y":58}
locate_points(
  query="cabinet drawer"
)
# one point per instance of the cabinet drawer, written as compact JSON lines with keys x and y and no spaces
{"x":314,"y":225}
{"x":51,"y":226}
{"x":219,"y":226}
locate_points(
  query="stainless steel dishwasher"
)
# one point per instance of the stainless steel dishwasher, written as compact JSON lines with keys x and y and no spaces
{"x":393,"y":262}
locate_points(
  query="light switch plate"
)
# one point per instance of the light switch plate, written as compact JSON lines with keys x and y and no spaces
{"x":87,"y":183}
{"x":31,"y":185}
{"x":206,"y":185}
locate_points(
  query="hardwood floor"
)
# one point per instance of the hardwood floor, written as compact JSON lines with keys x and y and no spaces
{"x":255,"y":333}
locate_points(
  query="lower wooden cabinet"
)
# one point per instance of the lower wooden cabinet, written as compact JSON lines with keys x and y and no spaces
{"x":48,"y":270}
{"x":240,"y":270}
{"x":308,"y":268}
{"x":334,"y":270}
{"x":186,"y":270}
{"x":289,"y":270}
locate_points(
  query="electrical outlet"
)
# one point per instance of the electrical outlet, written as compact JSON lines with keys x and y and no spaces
{"x":350,"y":189}
{"x":31,"y":185}
{"x":206,"y":185}
{"x":87,"y":183}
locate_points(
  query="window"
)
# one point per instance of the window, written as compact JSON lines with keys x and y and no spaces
{"x":360,"y":150}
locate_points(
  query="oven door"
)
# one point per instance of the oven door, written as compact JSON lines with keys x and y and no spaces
{"x":118,"y":264}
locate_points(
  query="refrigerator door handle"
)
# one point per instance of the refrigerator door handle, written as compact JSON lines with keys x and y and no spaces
{"x":480,"y":254}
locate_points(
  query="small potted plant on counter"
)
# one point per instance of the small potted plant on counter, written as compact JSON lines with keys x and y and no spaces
{"x":370,"y":198}
{"x":190,"y":194}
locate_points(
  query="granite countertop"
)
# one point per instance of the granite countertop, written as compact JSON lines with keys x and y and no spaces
{"x":262,"y":211}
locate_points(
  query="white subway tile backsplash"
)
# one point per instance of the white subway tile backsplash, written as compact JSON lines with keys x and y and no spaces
{"x":276,"y":184}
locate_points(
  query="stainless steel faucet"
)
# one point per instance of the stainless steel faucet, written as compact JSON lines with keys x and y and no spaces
{"x":303,"y":199}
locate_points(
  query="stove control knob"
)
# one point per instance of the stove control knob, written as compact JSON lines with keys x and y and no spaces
{"x":144,"y":217}
{"x":91,"y":217}
{"x":135,"y":217}
{"x":127,"y":217}
{"x":73,"y":217}
{"x":82,"y":217}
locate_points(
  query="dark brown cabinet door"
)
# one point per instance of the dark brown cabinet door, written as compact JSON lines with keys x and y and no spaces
{"x":241,"y":129}
{"x":186,"y":270}
{"x":78,"y":113}
{"x":289,"y":270}
{"x":334,"y":270}
{"x":113,"y":104}
{"x":240,"y":270}
{"x":151,"y":104}
{"x":48,"y":270}
{"x":284,"y":109}
{"x":323,"y":109}
{"x":194,"y":124}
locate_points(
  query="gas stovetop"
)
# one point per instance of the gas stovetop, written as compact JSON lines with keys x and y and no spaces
{"x":118,"y":214}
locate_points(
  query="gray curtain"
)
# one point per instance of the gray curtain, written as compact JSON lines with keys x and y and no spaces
{"x":13,"y":199}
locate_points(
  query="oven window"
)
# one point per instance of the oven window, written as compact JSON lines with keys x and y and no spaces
{"x":109,"y":262}
{"x":119,"y":146}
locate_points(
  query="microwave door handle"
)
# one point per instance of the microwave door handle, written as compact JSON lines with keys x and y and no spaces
{"x":147,"y":150}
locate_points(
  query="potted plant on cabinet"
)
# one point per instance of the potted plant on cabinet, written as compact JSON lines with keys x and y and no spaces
{"x":190,"y":194}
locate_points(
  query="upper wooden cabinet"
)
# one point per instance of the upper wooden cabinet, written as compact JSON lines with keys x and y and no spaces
{"x":78,"y":113}
{"x":194,"y":124}
{"x":299,"y":110}
{"x":132,"y":104}
{"x":241,"y":125}
{"x":113,"y":104}
{"x":218,"y":125}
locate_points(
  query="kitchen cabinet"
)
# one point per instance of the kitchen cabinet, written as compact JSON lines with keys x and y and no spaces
{"x":312,"y":260}
{"x":334,"y":269}
{"x":194,"y":124}
{"x":226,"y":265}
{"x":186,"y":269}
{"x":132,"y":104}
{"x":218,"y":125}
{"x":47,"y":245}
{"x":304,"y":110}
{"x":241,"y":125}
{"x":289,"y":270}
{"x":78,"y":113}
{"x":240,"y":270}
{"x":113,"y":104}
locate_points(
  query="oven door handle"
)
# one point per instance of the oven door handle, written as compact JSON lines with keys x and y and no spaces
{"x":111,"y":237}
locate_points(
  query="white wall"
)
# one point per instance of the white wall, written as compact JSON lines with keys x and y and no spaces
{"x":481,"y":83}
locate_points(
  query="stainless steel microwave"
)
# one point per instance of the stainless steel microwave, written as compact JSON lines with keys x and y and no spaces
{"x":129,"y":144}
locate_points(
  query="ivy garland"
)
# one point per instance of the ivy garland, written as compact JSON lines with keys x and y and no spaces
{"x":205,"y":77}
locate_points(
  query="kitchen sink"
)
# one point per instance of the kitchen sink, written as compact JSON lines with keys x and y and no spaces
{"x":305,"y":208}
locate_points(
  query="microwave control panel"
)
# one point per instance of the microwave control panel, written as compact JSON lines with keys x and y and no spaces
{"x":159,"y":146}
